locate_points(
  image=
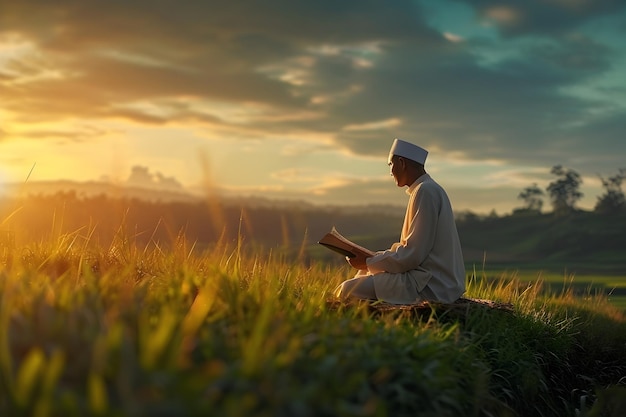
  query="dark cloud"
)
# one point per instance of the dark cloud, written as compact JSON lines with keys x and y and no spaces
{"x":206,"y":26}
{"x":203,"y":49}
{"x":108,"y":57}
{"x":388,"y":64}
{"x":600,"y":142}
{"x":572,"y":54}
{"x":456,"y":104}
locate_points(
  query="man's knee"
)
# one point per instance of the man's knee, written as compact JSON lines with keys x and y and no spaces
{"x":362,"y":288}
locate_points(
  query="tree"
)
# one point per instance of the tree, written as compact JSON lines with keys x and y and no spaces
{"x":532,"y":198}
{"x":564,"y":192}
{"x":612,"y":201}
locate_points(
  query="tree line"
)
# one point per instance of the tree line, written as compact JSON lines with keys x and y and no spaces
{"x":114,"y":222}
{"x":105,"y":221}
{"x":564,"y":192}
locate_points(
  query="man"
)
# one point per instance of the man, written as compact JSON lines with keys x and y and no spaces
{"x":427,"y":263}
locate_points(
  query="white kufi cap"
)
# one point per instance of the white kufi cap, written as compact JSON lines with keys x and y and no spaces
{"x":408,"y":150}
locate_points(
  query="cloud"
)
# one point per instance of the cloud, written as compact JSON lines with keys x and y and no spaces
{"x":450,"y":102}
{"x":452,"y":37}
{"x":62,"y":135}
{"x":515,"y":18}
{"x":358,"y":72}
{"x":142,"y":50}
{"x":141,"y":176}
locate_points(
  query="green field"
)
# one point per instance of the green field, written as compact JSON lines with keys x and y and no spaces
{"x":127,"y":330}
{"x":610,"y":287}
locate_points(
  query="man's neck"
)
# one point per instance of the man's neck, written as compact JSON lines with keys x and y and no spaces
{"x":415,"y":174}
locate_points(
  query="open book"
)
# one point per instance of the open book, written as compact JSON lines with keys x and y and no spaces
{"x":333,"y":240}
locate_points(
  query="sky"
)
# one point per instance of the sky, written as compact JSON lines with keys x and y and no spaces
{"x":302,"y":99}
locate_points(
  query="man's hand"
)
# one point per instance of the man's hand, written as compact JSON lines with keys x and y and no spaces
{"x":358,"y":262}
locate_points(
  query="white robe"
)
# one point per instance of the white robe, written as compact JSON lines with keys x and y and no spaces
{"x":427,"y":262}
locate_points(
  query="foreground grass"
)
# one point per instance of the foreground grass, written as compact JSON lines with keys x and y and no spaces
{"x":123,"y":331}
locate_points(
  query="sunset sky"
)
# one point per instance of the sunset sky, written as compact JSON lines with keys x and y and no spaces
{"x":302,"y":99}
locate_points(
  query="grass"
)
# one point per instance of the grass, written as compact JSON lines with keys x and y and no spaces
{"x":584,"y":285}
{"x":130,"y":331}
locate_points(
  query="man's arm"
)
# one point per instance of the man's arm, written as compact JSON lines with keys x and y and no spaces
{"x":418,"y":239}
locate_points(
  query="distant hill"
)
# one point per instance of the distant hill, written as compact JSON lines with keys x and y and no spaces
{"x":95,"y":188}
{"x":151,"y":216}
{"x":580,"y":241}
{"x":90,"y":189}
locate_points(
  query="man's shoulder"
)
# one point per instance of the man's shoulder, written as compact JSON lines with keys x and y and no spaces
{"x":430,"y":190}
{"x":429,"y":185}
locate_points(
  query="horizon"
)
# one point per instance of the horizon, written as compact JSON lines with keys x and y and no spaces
{"x":155,"y":192}
{"x":271,"y":104}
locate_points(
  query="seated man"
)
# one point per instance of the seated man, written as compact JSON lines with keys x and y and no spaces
{"x":427,"y":263}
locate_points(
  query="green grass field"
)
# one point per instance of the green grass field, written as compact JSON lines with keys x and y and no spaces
{"x":171,"y":331}
{"x":611,"y":287}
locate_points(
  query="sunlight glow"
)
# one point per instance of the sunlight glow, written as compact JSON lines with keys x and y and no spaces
{"x":294,"y":175}
{"x":3,"y":182}
{"x":341,"y":94}
{"x":295,"y":71}
{"x":13,"y":46}
{"x":329,"y":183}
{"x":134,"y":58}
{"x":22,"y":62}
{"x":365,"y":49}
{"x":382,"y":124}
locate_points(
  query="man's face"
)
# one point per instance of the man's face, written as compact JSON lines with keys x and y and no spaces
{"x":397,"y":169}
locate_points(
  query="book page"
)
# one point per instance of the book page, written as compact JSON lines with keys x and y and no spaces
{"x":337,"y":240}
